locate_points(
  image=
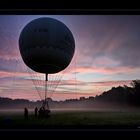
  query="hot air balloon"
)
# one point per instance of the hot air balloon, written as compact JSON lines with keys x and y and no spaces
{"x":47,"y":46}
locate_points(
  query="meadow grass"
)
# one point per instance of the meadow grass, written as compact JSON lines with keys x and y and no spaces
{"x":70,"y":118}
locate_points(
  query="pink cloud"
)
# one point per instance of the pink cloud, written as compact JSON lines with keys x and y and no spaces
{"x":4,"y":74}
{"x":66,"y":89}
{"x":9,"y":56}
{"x":106,"y":70}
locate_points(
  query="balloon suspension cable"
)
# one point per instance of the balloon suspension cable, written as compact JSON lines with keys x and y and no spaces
{"x":46,"y":100}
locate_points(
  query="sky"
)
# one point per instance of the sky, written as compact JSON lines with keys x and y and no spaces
{"x":106,"y":56}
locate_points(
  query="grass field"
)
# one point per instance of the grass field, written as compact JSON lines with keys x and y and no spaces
{"x":62,"y":118}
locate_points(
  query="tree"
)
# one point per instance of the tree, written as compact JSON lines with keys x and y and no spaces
{"x":136,"y":91}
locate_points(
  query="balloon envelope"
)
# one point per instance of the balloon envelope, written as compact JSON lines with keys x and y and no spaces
{"x":46,"y":45}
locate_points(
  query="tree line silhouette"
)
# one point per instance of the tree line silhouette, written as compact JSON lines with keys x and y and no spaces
{"x":129,"y":95}
{"x":122,"y":94}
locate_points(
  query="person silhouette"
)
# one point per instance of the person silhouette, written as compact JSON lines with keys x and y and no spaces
{"x":36,"y":111}
{"x":25,"y":113}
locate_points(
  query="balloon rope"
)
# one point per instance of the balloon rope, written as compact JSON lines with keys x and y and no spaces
{"x":59,"y":79}
{"x":13,"y":79}
{"x":49,"y":85}
{"x":52,"y":84}
{"x":46,"y":99}
{"x":39,"y":83}
{"x":55,"y":83}
{"x":36,"y":81}
{"x":75,"y":79}
{"x":33,"y":81}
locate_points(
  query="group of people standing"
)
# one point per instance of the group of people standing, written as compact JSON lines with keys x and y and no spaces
{"x":42,"y":112}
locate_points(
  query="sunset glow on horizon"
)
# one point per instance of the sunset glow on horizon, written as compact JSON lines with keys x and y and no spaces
{"x":106,"y":56}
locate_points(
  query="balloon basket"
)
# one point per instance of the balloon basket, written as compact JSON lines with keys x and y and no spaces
{"x":44,"y":113}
